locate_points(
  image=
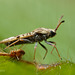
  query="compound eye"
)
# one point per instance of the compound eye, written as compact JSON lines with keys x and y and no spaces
{"x":52,"y":33}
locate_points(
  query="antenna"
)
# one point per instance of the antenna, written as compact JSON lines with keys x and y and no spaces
{"x":59,"y":23}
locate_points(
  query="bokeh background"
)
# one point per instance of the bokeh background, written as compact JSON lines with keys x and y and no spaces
{"x":22,"y":16}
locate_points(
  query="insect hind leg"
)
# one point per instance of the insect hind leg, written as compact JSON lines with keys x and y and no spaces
{"x":12,"y":44}
{"x":24,"y":40}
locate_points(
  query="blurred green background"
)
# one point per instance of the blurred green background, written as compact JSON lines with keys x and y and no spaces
{"x":22,"y":16}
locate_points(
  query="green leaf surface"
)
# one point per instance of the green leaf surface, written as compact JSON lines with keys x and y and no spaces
{"x":9,"y":66}
{"x":23,"y":16}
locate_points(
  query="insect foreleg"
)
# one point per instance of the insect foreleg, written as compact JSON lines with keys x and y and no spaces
{"x":35,"y":50}
{"x":53,"y":43}
{"x":45,"y":49}
{"x":54,"y":47}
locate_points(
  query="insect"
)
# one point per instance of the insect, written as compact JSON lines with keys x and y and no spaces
{"x":36,"y":36}
{"x":14,"y":54}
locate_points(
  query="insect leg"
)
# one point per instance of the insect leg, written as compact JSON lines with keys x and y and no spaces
{"x":26,"y":40}
{"x":12,"y":43}
{"x":53,"y":43}
{"x":35,"y":50}
{"x":54,"y":47}
{"x":45,"y":49}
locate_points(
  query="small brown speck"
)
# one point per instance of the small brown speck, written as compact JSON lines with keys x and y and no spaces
{"x":18,"y":36}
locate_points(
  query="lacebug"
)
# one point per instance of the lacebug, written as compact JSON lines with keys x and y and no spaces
{"x":14,"y":54}
{"x":36,"y":36}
